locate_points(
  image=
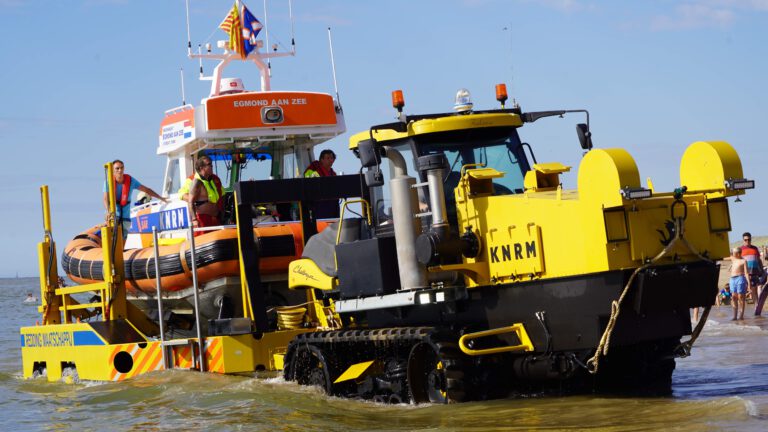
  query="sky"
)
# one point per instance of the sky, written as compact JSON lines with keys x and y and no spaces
{"x":83,"y":82}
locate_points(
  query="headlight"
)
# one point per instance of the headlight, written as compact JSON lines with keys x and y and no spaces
{"x":638,"y":193}
{"x":739,"y":184}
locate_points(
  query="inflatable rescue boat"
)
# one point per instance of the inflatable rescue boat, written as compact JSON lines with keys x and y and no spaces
{"x":215,"y":251}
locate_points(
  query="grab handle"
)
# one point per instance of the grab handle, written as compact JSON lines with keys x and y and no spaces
{"x":518,"y":329}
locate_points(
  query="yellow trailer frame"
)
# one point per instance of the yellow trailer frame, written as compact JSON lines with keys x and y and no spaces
{"x":123,"y":344}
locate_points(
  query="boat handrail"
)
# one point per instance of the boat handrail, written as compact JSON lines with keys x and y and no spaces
{"x":154,"y":202}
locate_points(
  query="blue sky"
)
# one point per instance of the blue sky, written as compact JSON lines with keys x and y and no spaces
{"x":87,"y":81}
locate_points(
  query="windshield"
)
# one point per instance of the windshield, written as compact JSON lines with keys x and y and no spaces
{"x":249,"y":165}
{"x":256,"y":166}
{"x":498,"y":149}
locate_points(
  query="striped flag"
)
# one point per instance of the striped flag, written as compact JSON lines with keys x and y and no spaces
{"x":234,"y":27}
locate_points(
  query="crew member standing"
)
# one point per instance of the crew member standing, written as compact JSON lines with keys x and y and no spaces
{"x":323,"y":168}
{"x":125,"y":185}
{"x":205,"y":193}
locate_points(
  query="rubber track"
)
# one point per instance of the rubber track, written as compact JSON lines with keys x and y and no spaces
{"x":443,"y":343}
{"x":361,"y":336}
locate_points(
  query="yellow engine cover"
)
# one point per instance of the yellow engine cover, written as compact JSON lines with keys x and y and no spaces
{"x":549,"y":232}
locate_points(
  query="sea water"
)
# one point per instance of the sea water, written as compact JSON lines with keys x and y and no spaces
{"x":722,"y":386}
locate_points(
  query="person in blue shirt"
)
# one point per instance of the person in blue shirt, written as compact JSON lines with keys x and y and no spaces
{"x":125,"y":185}
{"x":724,"y":298}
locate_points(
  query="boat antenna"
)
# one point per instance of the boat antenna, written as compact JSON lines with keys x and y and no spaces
{"x":189,"y":38}
{"x":293,"y":41}
{"x":183,"y":97}
{"x":511,"y":58}
{"x":333,"y":67}
{"x":200,"y":58}
{"x":266,"y":32}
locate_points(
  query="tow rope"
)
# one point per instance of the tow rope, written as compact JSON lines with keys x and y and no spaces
{"x":682,"y":350}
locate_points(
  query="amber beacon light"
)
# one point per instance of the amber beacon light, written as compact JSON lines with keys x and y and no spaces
{"x":397,"y":100}
{"x":501,"y":93}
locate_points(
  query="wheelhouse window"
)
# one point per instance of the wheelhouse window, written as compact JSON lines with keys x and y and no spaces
{"x":255,"y":166}
{"x":497,"y":148}
{"x":172,"y":177}
{"x":493,"y":148}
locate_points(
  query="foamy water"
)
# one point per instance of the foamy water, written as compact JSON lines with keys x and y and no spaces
{"x":722,"y":386}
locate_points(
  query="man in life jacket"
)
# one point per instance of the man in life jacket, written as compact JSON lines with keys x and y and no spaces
{"x":125,"y":185}
{"x":205,"y":195}
{"x":323,"y":168}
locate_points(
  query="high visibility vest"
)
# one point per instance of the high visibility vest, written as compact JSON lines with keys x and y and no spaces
{"x":212,"y":187}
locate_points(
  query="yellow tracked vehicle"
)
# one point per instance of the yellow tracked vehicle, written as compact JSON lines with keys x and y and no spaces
{"x":461,"y":269}
{"x":474,"y":273}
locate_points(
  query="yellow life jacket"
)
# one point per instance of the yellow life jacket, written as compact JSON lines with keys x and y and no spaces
{"x":212,"y":187}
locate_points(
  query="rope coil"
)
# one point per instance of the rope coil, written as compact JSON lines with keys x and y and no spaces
{"x":292,"y":317}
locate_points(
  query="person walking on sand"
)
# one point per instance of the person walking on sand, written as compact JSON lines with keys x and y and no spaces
{"x":739,"y":283}
{"x":751,"y":254}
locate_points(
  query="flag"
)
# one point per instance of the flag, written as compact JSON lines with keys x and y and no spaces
{"x":232,"y":26}
{"x":251,"y":29}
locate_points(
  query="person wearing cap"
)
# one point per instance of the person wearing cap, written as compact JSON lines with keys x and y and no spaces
{"x":324,"y":168}
{"x":125,"y":186}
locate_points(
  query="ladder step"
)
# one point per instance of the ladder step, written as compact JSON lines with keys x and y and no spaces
{"x":175,"y":342}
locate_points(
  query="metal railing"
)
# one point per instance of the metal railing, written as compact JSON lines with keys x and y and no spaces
{"x":195,"y":290}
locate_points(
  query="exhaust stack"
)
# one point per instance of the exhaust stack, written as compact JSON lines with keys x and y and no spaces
{"x":407,"y":228}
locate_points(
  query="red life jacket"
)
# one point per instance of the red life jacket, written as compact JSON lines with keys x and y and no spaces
{"x":125,"y":194}
{"x":320,"y":169}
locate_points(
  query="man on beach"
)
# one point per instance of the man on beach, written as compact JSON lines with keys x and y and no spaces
{"x":739,"y":283}
{"x":751,"y":254}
